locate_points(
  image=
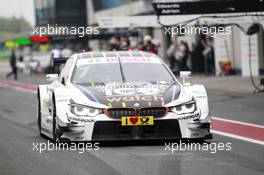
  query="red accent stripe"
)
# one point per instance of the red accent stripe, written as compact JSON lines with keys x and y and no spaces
{"x":252,"y":132}
{"x":25,"y":86}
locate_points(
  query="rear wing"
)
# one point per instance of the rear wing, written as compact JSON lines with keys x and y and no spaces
{"x":58,"y":61}
{"x":56,"y":64}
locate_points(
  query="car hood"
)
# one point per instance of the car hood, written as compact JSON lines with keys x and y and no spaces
{"x":131,"y":95}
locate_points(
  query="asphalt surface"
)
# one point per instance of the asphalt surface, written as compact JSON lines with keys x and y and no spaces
{"x":18,"y":132}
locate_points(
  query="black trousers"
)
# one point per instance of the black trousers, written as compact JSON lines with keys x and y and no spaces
{"x":13,"y":72}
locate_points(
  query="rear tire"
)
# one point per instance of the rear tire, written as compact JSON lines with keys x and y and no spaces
{"x":39,"y":115}
{"x":54,"y":122}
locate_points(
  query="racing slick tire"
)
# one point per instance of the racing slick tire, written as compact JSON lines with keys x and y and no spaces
{"x":39,"y":115}
{"x":55,"y":132}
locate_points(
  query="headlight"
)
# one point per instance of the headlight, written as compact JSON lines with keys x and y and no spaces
{"x":84,"y":111}
{"x":184,"y":108}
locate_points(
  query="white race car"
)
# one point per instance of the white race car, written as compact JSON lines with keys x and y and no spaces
{"x":128,"y":95}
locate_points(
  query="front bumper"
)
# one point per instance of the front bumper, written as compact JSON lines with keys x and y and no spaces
{"x":106,"y":129}
{"x":163,"y":129}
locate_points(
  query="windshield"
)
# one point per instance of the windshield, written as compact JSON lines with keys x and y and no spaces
{"x":111,"y":72}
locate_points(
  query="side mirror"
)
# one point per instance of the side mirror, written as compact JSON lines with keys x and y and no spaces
{"x":52,"y":77}
{"x":186,"y":78}
{"x":254,"y":28}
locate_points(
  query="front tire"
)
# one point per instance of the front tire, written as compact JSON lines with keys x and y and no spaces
{"x":54,"y":122}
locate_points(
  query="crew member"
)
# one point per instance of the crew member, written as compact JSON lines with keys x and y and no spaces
{"x":13,"y":65}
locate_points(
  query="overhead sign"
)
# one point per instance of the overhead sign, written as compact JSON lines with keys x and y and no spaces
{"x":128,"y":21}
{"x":151,"y":20}
{"x":207,"y":7}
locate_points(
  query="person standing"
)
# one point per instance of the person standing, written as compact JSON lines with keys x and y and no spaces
{"x":179,"y":54}
{"x":13,"y":65}
{"x":185,"y":55}
{"x":197,"y":57}
{"x":148,"y":46}
{"x":55,"y":54}
{"x":171,"y":53}
{"x":208,"y":53}
{"x":115,"y":43}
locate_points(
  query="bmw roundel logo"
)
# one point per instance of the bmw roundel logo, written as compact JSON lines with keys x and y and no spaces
{"x":136,"y":105}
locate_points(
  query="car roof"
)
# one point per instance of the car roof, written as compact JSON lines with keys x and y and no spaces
{"x":107,"y":54}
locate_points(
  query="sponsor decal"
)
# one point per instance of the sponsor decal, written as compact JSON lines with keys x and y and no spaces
{"x":125,"y":94}
{"x":80,"y":119}
{"x":123,"y":104}
{"x":102,"y":60}
{"x":147,"y":98}
{"x":132,"y":88}
{"x":137,"y":120}
{"x":125,"y":90}
{"x":62,"y":100}
{"x":193,"y":116}
{"x":133,"y":60}
{"x":200,"y":96}
{"x":110,"y":105}
{"x":195,"y":134}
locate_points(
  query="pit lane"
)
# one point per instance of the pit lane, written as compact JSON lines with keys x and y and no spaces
{"x":18,"y":131}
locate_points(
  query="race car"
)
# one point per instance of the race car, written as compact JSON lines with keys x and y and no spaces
{"x":121,"y":95}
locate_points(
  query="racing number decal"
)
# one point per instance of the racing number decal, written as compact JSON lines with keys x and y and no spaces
{"x":137,"y":120}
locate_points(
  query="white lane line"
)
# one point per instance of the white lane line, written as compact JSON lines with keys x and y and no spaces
{"x":238,"y":122}
{"x":238,"y":137}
